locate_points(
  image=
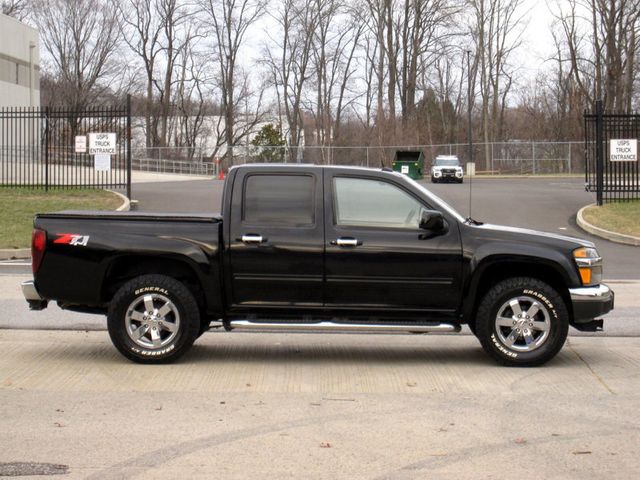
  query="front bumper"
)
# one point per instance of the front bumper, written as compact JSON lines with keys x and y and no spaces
{"x":452,"y":175}
{"x":591,"y":302}
{"x":33,"y":298}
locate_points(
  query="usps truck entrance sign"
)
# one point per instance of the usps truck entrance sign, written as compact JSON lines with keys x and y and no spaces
{"x":102,"y":143}
{"x":623,"y":150}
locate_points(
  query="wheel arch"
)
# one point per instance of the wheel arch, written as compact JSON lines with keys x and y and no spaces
{"x":126,"y":267}
{"x":495,"y":269}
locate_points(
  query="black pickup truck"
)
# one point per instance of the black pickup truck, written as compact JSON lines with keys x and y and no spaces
{"x":322,"y":249}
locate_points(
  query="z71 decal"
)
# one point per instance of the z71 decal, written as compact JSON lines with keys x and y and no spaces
{"x":72,"y":239}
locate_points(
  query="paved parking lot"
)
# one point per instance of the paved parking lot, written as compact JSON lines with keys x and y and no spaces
{"x":319,"y":406}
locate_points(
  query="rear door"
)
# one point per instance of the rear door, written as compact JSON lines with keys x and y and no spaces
{"x":376,"y":256}
{"x":276,"y":239}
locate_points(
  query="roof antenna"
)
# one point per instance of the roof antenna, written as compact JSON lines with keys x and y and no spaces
{"x":471,"y":169}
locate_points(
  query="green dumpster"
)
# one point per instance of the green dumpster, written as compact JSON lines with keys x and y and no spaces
{"x":410,"y":163}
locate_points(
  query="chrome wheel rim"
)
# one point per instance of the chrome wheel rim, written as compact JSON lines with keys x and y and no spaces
{"x":523,"y":324}
{"x":152,"y":321}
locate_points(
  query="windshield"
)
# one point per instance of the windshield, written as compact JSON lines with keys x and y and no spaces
{"x":437,"y":200}
{"x":446,"y":162}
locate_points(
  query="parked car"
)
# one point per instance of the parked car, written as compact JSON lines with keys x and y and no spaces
{"x":322,"y":249}
{"x":446,"y":168}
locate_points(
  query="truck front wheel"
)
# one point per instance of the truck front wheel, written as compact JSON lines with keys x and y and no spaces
{"x":522,"y":322}
{"x":153,"y":319}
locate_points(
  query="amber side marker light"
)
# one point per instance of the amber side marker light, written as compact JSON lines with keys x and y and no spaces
{"x":589,"y":264}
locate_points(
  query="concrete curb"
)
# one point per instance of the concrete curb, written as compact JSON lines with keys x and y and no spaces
{"x":15,"y":253}
{"x":22,"y":253}
{"x":126,"y":203}
{"x":606,"y":234}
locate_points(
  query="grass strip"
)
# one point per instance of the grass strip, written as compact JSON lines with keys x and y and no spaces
{"x":19,"y":205}
{"x":619,"y":217}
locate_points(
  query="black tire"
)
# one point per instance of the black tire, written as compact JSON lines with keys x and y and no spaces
{"x":433,"y":180}
{"x":205,"y":324}
{"x":460,"y":181}
{"x":172,"y":303}
{"x":472,"y":327}
{"x":535,"y":340}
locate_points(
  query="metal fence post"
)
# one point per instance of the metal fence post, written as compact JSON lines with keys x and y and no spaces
{"x":599,"y":152}
{"x":46,"y":149}
{"x":533,"y":156}
{"x":129,"y":147}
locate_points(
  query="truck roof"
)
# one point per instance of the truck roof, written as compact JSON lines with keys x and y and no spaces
{"x":310,"y":166}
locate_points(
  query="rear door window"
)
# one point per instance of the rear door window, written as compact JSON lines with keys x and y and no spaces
{"x":279,"y":199}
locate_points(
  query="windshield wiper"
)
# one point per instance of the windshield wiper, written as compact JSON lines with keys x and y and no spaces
{"x":471,"y":221}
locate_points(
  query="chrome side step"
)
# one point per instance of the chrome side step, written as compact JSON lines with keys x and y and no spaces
{"x":343,"y":327}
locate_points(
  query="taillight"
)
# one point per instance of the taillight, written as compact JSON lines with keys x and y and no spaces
{"x":38,"y":244}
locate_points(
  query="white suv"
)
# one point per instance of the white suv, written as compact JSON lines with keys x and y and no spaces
{"x":446,"y":167}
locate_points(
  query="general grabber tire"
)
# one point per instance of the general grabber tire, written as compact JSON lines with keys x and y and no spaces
{"x":153,"y":319}
{"x":522,"y":321}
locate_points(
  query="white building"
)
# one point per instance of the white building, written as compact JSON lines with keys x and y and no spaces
{"x":19,"y":64}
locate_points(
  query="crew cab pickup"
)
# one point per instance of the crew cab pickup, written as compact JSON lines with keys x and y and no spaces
{"x":317,"y":248}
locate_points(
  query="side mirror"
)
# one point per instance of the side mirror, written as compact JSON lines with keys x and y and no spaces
{"x":432,"y":220}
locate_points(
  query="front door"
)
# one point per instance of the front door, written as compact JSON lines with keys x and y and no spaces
{"x":376,"y":256}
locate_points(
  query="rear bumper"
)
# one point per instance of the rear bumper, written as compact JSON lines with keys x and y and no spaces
{"x":33,"y":298}
{"x":591,"y":302}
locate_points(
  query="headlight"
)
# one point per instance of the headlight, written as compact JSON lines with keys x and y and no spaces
{"x":589,"y":264}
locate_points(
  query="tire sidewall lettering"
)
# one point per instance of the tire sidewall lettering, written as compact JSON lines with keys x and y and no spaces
{"x":502,"y":348}
{"x":154,"y":353}
{"x":142,"y":290}
{"x":543,"y":299}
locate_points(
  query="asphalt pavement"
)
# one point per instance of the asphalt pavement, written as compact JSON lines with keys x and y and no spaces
{"x":291,"y":406}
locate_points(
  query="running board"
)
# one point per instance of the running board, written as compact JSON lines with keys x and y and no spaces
{"x":344,"y":327}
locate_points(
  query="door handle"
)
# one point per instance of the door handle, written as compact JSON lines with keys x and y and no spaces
{"x":251,"y":238}
{"x":346,"y":242}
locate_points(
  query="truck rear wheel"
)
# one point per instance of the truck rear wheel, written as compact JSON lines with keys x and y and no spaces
{"x":153,"y":319}
{"x":522,"y":322}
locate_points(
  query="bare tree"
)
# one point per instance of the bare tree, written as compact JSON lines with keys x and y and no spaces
{"x":496,"y":30}
{"x":230,"y":22}
{"x":335,"y":41}
{"x":192,"y":96}
{"x":425,"y":27}
{"x":81,"y":38}
{"x":601,"y":39}
{"x":410,"y":38}
{"x":15,"y":8}
{"x":156,"y":31}
{"x":289,"y":56}
{"x":378,"y":26}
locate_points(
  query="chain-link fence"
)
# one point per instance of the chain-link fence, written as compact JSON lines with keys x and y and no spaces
{"x":504,"y":158}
